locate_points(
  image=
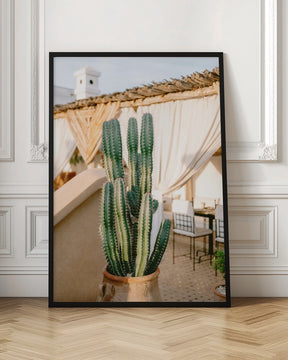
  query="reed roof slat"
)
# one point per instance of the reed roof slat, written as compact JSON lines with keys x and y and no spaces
{"x":189,"y":82}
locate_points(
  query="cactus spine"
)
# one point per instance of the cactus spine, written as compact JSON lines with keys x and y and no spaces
{"x":127,"y":210}
{"x":159,"y":248}
{"x":112,"y":150}
{"x":122,"y":225}
{"x":144,"y":231}
{"x":132,"y":145}
{"x":109,"y":241}
{"x":146,"y":142}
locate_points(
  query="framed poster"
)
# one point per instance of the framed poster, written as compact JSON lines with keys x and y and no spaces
{"x":138,"y":189}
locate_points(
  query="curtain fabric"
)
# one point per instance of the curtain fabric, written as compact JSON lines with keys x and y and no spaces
{"x":86,"y":127}
{"x":186,"y":135}
{"x":64,"y":145}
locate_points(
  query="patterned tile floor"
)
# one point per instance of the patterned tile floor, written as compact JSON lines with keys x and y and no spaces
{"x":179,"y":283}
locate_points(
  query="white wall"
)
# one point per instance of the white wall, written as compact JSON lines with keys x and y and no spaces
{"x":258,"y":190}
{"x":24,"y":175}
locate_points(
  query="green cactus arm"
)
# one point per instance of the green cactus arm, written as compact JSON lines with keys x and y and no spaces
{"x":134,"y":230}
{"x":139,"y":178}
{"x":133,"y":219}
{"x":109,"y":241}
{"x":106,"y":249}
{"x":146,"y":145}
{"x":113,"y":266}
{"x":155,"y":205}
{"x":132,"y":146}
{"x":133,"y":203}
{"x":139,"y":167}
{"x":122,"y":223}
{"x":116,"y":149}
{"x":144,"y":231}
{"x":112,"y":149}
{"x":159,"y":248}
{"x":105,"y":149}
{"x":146,"y":136}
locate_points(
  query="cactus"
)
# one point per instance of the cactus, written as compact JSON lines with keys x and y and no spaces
{"x":132,"y":145}
{"x":143,"y":238}
{"x":146,"y":141}
{"x":122,"y":225}
{"x":109,"y":241}
{"x":127,"y":210}
{"x":112,"y":150}
{"x":159,"y":248}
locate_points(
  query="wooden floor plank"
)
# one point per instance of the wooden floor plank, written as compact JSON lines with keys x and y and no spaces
{"x":255,"y":329}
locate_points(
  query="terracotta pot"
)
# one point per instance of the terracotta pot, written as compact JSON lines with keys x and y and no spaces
{"x":122,"y":289}
{"x":218,"y":293}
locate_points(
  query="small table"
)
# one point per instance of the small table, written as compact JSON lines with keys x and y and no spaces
{"x":210,"y":214}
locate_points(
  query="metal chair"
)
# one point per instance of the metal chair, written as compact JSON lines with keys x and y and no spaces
{"x":184,"y":224}
{"x":219,"y":219}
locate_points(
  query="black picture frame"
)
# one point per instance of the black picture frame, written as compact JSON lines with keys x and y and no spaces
{"x":52,"y":303}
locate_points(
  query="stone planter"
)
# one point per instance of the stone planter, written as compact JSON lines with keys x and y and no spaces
{"x":219,"y":293}
{"x":124,"y":289}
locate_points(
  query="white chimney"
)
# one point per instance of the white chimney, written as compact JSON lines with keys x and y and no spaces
{"x":86,"y":83}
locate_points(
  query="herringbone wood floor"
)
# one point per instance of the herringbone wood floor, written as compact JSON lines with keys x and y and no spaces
{"x":255,"y":329}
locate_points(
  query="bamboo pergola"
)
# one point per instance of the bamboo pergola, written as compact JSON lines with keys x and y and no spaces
{"x":85,"y":117}
{"x":190,"y":86}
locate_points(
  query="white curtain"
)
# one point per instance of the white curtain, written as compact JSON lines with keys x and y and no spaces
{"x":186,"y":135}
{"x":86,"y":127}
{"x":64,"y":145}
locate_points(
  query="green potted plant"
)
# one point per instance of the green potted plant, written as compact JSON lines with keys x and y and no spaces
{"x":127,"y":209}
{"x":76,"y":158}
{"x":219,"y":264}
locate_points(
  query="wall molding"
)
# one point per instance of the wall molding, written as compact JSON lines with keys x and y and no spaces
{"x":264,"y":197}
{"x":257,"y":190}
{"x":23,"y":270}
{"x":5,"y":231}
{"x":7,"y":80}
{"x":38,"y":151}
{"x":36,"y":231}
{"x":259,"y":270}
{"x":23,"y":190}
{"x":263,"y":219}
{"x":266,"y":148}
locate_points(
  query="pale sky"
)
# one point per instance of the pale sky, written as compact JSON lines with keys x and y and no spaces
{"x":120,"y":73}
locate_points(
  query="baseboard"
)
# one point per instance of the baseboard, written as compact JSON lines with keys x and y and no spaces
{"x":259,"y":286}
{"x":23,"y":285}
{"x":241,"y":285}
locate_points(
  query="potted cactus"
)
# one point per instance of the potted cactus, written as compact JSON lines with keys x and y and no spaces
{"x":219,"y":264}
{"x":127,"y":210}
